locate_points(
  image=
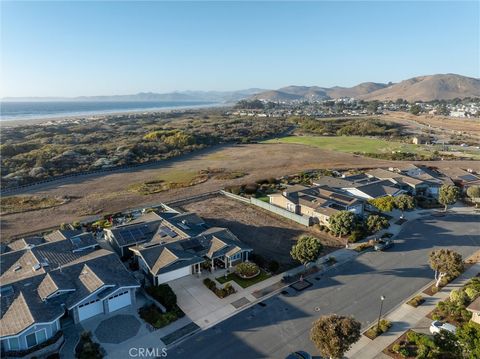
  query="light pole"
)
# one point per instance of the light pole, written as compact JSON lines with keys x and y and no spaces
{"x":382,"y":298}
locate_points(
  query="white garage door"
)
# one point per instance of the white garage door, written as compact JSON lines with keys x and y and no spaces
{"x":90,"y":309}
{"x":119,"y":300}
{"x":179,"y":273}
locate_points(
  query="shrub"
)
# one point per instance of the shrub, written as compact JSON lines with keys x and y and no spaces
{"x":472,"y":293}
{"x":416,"y":301}
{"x":247,"y":269}
{"x":257,"y":258}
{"x":219,"y":292}
{"x":404,"y":352}
{"x":164,"y":295}
{"x":458,"y":297}
{"x":356,"y":235}
{"x":396,"y":348}
{"x":273,"y":266}
{"x":376,"y":223}
{"x":251,"y":188}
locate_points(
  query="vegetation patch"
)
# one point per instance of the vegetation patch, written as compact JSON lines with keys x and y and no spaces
{"x":170,"y":180}
{"x":244,"y":282}
{"x":219,"y":292}
{"x":377,"y":330}
{"x":18,"y":204}
{"x":416,"y":301}
{"x":247,"y":270}
{"x":87,"y":348}
{"x":156,"y":318}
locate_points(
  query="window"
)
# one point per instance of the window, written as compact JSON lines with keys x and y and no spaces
{"x":31,"y":340}
{"x":36,"y":338}
{"x":13,"y":343}
{"x":41,"y":336}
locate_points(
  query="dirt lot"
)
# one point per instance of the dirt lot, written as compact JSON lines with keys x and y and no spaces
{"x":107,"y":193}
{"x":269,"y":235}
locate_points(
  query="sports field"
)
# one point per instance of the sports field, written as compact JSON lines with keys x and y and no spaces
{"x":351,"y":144}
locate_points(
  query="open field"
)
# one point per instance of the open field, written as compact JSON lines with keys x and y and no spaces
{"x":351,"y":144}
{"x":108,"y":192}
{"x":269,"y":235}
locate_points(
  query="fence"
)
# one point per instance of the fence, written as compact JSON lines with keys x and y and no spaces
{"x":306,"y":221}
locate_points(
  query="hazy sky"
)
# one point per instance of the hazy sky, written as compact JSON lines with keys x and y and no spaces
{"x":94,"y":48}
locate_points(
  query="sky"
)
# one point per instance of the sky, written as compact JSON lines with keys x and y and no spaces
{"x":105,"y":48}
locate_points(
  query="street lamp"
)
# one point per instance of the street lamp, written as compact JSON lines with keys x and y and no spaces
{"x":382,"y":298}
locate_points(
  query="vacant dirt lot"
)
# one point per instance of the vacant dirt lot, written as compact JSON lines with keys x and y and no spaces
{"x":107,"y":193}
{"x":269,"y":235}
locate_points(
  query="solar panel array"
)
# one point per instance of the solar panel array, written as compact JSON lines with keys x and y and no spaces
{"x":131,"y":235}
{"x":165,"y":231}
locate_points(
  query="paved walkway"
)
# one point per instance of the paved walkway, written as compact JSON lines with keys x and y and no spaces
{"x":406,"y":317}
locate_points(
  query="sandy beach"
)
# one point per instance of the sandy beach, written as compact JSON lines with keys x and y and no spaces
{"x":99,"y":115}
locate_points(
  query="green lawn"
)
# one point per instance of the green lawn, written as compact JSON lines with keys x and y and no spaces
{"x":351,"y":144}
{"x":244,"y":283}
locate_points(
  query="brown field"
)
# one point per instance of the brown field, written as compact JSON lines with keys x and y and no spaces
{"x":109,"y":192}
{"x":270,"y":235}
{"x":446,"y":125}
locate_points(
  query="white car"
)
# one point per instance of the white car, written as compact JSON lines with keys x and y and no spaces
{"x":437,"y":326}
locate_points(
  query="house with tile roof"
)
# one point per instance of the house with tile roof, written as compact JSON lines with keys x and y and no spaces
{"x":318,"y":202}
{"x":57,"y":278}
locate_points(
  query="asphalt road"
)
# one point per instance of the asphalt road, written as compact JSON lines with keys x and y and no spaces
{"x":283,"y":324}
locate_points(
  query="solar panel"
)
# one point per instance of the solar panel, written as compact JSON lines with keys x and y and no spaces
{"x":168,"y":232}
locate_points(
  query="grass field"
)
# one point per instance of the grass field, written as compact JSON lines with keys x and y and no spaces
{"x":351,"y":144}
{"x":244,"y":283}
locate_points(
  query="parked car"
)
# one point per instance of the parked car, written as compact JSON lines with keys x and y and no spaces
{"x":299,"y":355}
{"x":383,"y":244}
{"x":437,"y":326}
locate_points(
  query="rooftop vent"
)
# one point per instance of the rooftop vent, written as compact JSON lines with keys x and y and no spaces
{"x":17,"y":268}
{"x":36,"y":266}
{"x":6,"y":291}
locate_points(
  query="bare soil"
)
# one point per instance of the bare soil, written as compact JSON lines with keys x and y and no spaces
{"x":109,"y":192}
{"x":270,"y":235}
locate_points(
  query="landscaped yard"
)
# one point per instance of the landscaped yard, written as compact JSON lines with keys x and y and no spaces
{"x":244,"y":283}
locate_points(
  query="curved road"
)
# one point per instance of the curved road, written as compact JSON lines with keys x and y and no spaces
{"x":283,"y":325}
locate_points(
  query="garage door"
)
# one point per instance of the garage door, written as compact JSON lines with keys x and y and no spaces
{"x":119,"y":300}
{"x":88,"y":310}
{"x":179,"y":273}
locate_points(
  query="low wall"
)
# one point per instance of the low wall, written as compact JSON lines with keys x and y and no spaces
{"x":304,"y":220}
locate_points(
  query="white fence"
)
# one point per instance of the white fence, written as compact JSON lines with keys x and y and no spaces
{"x":306,"y":221}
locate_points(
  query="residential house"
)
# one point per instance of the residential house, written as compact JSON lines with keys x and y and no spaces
{"x":433,"y":179}
{"x":374,"y":190}
{"x":410,"y":184}
{"x":169,"y":261}
{"x":153,"y":227}
{"x":43,"y":283}
{"x":319,"y":202}
{"x":462,"y":178}
{"x":474,"y":308}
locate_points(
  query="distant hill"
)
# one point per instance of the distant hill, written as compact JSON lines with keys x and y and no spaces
{"x":422,"y":88}
{"x":210,"y":96}
{"x":429,"y":88}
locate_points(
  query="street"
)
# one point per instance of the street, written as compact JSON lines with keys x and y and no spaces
{"x":283,"y":324}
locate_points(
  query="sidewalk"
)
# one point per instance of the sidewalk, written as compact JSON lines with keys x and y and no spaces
{"x":405,"y":317}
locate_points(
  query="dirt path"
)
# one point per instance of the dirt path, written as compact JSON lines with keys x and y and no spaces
{"x":106,"y":193}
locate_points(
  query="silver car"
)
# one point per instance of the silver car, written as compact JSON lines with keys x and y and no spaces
{"x":437,"y":326}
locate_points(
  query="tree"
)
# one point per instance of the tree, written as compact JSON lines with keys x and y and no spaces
{"x":333,"y":335}
{"x":342,"y":223}
{"x":445,"y":262}
{"x":376,"y":223}
{"x":384,"y":204}
{"x":473,"y":192}
{"x":306,"y":250}
{"x":415,"y":110}
{"x":404,"y":202}
{"x":468,"y":337}
{"x":448,"y":195}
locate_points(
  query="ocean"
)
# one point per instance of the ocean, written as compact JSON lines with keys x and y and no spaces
{"x":57,"y":109}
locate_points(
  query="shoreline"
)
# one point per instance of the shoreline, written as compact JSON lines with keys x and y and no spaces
{"x":97,"y":115}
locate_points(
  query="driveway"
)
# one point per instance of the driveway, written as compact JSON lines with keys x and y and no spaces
{"x":282,"y":325}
